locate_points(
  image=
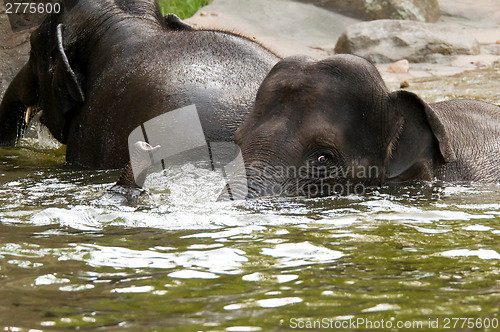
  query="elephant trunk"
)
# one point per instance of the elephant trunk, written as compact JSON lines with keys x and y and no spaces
{"x":251,"y":181}
{"x":289,"y":180}
{"x":20,"y":96}
{"x":266,"y":180}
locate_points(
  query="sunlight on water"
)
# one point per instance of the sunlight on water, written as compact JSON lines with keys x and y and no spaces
{"x":223,"y":260}
{"x":299,"y":254}
{"x":481,"y":253}
{"x":186,"y":199}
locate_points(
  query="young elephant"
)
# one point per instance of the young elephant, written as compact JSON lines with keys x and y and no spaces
{"x":101,"y":68}
{"x":332,"y":126}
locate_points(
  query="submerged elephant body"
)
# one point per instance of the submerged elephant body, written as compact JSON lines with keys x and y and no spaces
{"x":100,"y":69}
{"x":331,"y":126}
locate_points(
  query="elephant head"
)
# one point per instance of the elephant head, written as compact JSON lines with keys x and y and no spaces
{"x":55,"y":76}
{"x":48,"y":81}
{"x":332,"y":126}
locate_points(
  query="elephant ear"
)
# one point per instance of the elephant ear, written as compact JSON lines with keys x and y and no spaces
{"x":421,"y":140}
{"x":66,"y":81}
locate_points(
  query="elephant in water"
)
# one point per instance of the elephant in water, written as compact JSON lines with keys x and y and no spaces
{"x":332,"y":126}
{"x":101,"y":68}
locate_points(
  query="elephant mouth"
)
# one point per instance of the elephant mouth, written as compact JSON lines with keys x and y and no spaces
{"x":31,"y":114}
{"x":35,"y":114}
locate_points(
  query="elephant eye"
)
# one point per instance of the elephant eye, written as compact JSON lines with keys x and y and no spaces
{"x":322,"y":159}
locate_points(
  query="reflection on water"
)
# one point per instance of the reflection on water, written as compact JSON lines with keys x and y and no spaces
{"x":72,"y":255}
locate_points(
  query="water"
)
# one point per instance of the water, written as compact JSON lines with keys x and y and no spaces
{"x":74,"y":256}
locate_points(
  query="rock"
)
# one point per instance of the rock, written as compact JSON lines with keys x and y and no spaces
{"x":399,"y":67}
{"x":404,"y":85}
{"x":284,"y":26}
{"x":386,"y":41}
{"x":367,"y":10}
{"x":483,"y":11}
{"x":14,"y":50}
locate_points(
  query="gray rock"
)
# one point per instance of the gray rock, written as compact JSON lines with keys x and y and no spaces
{"x":385,"y":41}
{"x":284,"y":26}
{"x":14,"y":50}
{"x":478,"y":13}
{"x":367,"y":10}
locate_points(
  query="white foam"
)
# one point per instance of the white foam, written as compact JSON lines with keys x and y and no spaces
{"x":480,"y":253}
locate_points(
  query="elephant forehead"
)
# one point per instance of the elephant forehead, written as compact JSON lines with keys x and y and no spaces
{"x":323,"y":94}
{"x":323,"y":135}
{"x":313,"y":129}
{"x":311,"y":110}
{"x":339,"y":69}
{"x":342,"y":128}
{"x":298,"y":78}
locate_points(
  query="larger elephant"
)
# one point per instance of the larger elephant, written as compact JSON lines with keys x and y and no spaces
{"x":332,"y":126}
{"x":100,"y":68}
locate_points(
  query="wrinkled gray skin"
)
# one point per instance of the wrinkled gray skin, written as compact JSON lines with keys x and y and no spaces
{"x":322,"y":127}
{"x":100,"y":68}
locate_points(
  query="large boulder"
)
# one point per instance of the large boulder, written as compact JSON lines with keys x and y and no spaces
{"x":14,"y":50}
{"x":368,"y":10}
{"x":385,"y":41}
{"x":15,"y":31}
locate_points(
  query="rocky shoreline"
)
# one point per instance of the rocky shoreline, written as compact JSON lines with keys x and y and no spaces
{"x":465,"y":37}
